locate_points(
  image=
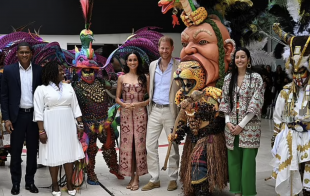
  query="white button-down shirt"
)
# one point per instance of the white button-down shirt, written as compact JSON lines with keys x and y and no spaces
{"x":162,"y":82}
{"x":26,"y":98}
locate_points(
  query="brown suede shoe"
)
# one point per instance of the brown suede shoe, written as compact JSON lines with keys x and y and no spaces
{"x":150,"y":186}
{"x":172,"y":185}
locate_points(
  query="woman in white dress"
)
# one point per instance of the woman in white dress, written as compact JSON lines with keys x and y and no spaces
{"x":55,"y":111}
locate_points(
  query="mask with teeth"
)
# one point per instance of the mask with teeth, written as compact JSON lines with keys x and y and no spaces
{"x":301,"y":77}
{"x":190,"y":76}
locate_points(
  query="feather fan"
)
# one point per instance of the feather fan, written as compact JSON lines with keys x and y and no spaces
{"x":258,"y":55}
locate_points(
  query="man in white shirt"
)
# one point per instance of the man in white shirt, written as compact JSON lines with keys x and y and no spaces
{"x":18,"y":84}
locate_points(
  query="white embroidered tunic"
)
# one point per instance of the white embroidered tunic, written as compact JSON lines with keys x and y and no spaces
{"x":291,"y":147}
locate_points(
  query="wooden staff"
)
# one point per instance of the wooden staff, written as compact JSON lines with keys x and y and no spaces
{"x":167,"y":157}
{"x":172,"y":137}
{"x":195,"y":96}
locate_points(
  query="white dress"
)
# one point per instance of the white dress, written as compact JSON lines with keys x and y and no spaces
{"x":58,"y":110}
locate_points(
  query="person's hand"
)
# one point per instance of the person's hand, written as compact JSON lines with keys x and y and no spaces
{"x":133,"y":106}
{"x":170,"y":138}
{"x":237,"y":130}
{"x":43,"y":138}
{"x":127,"y":105}
{"x":231,"y":127}
{"x":8,"y":126}
{"x":80,"y":129}
{"x":80,"y":134}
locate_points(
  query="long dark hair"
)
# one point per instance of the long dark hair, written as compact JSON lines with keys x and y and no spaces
{"x":50,"y":73}
{"x":140,"y":70}
{"x":234,"y":73}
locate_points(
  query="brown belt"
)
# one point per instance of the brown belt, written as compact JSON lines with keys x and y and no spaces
{"x":160,"y":105}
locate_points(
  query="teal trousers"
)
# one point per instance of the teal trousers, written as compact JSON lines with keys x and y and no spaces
{"x":242,"y":169}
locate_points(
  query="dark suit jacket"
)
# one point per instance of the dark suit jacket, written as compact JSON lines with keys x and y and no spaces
{"x":11,"y":89}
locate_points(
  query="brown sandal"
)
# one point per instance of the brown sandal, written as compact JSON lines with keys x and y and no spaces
{"x":129,"y":184}
{"x":135,"y":187}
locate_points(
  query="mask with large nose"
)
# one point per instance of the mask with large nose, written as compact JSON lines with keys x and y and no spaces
{"x":200,"y":44}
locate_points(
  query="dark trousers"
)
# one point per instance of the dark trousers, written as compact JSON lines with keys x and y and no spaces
{"x":24,"y":130}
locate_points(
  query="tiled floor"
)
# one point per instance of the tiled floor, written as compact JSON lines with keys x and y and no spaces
{"x":42,"y":178}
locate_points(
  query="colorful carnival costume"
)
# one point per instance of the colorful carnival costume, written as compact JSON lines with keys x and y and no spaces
{"x":204,"y":160}
{"x":93,"y":100}
{"x":291,"y":140}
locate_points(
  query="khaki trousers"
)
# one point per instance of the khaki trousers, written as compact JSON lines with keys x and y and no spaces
{"x":160,"y":118}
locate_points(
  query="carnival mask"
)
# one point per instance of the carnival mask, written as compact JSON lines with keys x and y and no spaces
{"x":200,"y":44}
{"x":85,"y":59}
{"x":88,"y":75}
{"x":190,"y":76}
{"x":300,"y":77}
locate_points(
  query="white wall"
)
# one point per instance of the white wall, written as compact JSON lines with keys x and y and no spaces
{"x":101,"y":39}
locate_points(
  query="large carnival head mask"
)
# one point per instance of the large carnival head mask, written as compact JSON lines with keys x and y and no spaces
{"x":296,"y":55}
{"x":85,"y":62}
{"x":85,"y":59}
{"x":208,"y":48}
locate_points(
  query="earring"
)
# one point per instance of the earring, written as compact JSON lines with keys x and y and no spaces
{"x":249,"y":66}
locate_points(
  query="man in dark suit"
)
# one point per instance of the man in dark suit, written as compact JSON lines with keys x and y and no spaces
{"x":18,"y":84}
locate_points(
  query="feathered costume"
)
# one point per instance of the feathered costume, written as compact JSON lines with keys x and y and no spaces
{"x":248,"y":23}
{"x":92,"y":95}
{"x":204,"y":159}
{"x":291,"y":139}
{"x":144,"y":41}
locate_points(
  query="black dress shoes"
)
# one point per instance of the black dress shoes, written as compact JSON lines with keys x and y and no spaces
{"x":15,"y":190}
{"x":32,"y":188}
